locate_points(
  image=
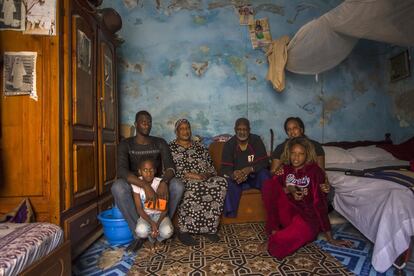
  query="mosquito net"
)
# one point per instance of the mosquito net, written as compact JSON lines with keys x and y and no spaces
{"x":323,"y":43}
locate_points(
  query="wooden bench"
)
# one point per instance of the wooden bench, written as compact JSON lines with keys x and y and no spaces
{"x":251,"y":206}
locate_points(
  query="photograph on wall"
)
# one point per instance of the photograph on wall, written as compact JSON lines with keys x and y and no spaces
{"x":108,"y":71}
{"x":41,"y":17}
{"x":246,"y":14}
{"x":400,"y":66}
{"x":84,"y":51}
{"x":19,"y":74}
{"x":12,"y":15}
{"x":260,"y":33}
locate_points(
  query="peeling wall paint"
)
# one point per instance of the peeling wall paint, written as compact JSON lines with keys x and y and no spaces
{"x":191,"y":58}
{"x":402,"y":97}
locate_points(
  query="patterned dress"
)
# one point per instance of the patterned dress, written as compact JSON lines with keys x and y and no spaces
{"x":202,"y":203}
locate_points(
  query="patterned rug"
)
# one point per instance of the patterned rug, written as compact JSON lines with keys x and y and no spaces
{"x":237,"y":253}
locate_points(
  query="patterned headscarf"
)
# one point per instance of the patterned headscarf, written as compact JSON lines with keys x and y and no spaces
{"x":181,"y":121}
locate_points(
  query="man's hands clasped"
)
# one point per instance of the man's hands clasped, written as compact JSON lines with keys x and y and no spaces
{"x":241,"y":175}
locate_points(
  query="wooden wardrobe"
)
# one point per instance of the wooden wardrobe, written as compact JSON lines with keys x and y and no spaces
{"x":60,"y":151}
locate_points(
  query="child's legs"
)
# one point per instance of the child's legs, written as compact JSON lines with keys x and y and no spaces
{"x":286,"y":241}
{"x":166,"y":229}
{"x":143,"y":228}
{"x":279,"y":209}
{"x":269,"y":197}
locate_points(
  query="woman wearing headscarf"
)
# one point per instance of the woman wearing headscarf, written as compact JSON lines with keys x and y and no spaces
{"x":202,"y":203}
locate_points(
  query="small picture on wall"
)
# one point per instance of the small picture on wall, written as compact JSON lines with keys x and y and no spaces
{"x":246,"y":14}
{"x":12,"y":15}
{"x":84,"y":52}
{"x":19,"y":74}
{"x":260,"y":33}
{"x":400,"y":66}
{"x":41,"y":17}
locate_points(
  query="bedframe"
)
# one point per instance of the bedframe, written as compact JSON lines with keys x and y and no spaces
{"x":352,"y":144}
{"x":381,"y":209}
{"x":33,"y":249}
{"x":57,"y":262}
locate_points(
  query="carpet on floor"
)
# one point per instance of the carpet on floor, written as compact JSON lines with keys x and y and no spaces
{"x":237,"y":253}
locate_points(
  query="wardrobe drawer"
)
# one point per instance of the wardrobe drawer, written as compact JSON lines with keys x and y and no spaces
{"x":81,"y":224}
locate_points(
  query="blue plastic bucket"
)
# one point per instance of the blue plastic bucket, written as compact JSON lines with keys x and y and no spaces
{"x":115,"y":227}
{"x":116,"y":213}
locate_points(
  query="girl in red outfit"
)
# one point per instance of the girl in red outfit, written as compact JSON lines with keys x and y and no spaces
{"x":296,"y":207}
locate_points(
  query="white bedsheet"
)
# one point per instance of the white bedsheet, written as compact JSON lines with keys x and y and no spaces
{"x":381,"y":210}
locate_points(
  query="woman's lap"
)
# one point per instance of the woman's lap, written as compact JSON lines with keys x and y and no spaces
{"x":202,"y":205}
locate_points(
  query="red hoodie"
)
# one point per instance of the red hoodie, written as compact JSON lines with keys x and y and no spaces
{"x":313,"y":207}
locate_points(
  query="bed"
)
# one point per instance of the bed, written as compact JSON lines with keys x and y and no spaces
{"x":381,"y":209}
{"x":33,"y":249}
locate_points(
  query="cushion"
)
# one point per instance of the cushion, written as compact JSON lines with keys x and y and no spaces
{"x":23,"y":213}
{"x":371,"y":153}
{"x":336,"y":155}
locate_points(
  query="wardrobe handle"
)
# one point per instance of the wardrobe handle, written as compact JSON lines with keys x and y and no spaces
{"x":86,"y":223}
{"x":102,"y":104}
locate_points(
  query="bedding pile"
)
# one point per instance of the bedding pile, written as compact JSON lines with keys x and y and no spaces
{"x":382,"y":210}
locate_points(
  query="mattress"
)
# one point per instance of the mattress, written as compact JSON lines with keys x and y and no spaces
{"x":21,"y":244}
{"x":380,"y":209}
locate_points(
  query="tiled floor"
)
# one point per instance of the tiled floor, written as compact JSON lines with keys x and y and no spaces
{"x":86,"y":264}
{"x":356,"y":259}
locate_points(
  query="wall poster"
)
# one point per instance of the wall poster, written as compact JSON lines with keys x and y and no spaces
{"x":41,"y":17}
{"x":19,"y":74}
{"x":260,"y":33}
{"x":12,"y":15}
{"x":246,"y":14}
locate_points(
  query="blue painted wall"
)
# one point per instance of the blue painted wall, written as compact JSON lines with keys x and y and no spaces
{"x":191,"y":58}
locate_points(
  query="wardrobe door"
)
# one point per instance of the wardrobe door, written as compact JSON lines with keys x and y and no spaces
{"x":108,"y":113}
{"x":84,"y":109}
{"x":29,"y":146}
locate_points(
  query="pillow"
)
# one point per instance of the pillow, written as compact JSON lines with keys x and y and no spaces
{"x":371,"y":153}
{"x":337,"y":155}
